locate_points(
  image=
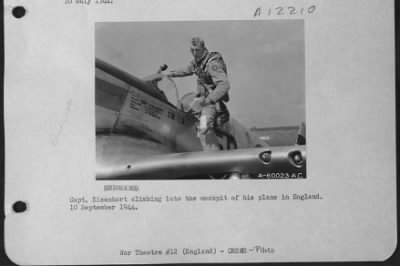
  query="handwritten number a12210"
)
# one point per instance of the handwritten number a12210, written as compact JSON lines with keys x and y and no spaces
{"x":280,"y":10}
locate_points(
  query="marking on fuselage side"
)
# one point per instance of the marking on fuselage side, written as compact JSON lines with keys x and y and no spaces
{"x":139,"y":104}
{"x":134,"y":103}
{"x":176,"y":117}
{"x":171,"y":115}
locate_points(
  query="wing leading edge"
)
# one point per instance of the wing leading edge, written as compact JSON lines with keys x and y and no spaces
{"x":263,"y":163}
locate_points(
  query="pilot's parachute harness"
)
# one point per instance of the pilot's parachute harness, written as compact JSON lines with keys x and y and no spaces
{"x":200,"y":70}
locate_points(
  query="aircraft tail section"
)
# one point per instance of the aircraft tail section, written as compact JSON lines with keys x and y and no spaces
{"x":301,"y":135}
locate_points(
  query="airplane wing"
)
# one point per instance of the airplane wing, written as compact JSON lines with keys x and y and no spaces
{"x":263,"y":163}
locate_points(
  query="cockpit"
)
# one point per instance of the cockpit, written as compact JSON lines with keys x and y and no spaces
{"x":168,"y":91}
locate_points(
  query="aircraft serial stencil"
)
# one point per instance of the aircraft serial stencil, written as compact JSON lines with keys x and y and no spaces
{"x":144,"y":130}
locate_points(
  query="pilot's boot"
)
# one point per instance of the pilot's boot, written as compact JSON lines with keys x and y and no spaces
{"x":209,"y":140}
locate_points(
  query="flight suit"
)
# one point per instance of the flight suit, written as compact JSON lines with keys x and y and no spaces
{"x":213,"y":85}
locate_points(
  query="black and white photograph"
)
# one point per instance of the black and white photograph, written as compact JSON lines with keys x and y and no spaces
{"x":174,"y":131}
{"x":200,"y":100}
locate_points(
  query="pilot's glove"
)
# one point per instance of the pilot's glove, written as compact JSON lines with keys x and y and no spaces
{"x":196,"y":104}
{"x":205,"y":102}
{"x":168,"y":74}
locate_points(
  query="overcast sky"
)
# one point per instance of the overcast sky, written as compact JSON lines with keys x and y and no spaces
{"x":265,"y":61}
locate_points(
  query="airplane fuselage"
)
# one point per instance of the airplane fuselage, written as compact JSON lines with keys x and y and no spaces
{"x":123,"y":108}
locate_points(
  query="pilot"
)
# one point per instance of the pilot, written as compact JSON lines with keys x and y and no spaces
{"x":212,"y":90}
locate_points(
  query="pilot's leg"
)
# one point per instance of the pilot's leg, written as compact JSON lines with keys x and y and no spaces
{"x":206,"y":132}
{"x":222,"y":117}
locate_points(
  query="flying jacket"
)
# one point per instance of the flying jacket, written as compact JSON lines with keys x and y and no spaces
{"x":211,"y":74}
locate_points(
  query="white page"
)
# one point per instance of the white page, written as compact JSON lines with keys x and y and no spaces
{"x":347,"y":104}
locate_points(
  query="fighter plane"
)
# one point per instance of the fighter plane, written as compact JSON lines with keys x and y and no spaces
{"x":144,"y":131}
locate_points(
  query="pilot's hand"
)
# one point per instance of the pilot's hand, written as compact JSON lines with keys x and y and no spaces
{"x":168,"y":74}
{"x":196,"y":104}
{"x":205,"y":102}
